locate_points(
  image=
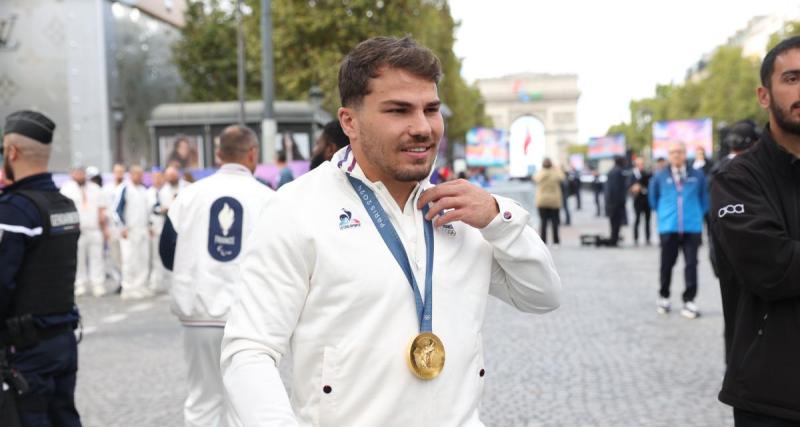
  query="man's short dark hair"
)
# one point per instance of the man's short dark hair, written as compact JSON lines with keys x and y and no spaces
{"x":370,"y":56}
{"x":768,"y":65}
{"x":235,"y":141}
{"x":334,"y":134}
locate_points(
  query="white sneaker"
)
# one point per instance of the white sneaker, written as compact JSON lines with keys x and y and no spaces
{"x":80,"y":290}
{"x":663,"y":306}
{"x":98,"y":291}
{"x":690,"y":310}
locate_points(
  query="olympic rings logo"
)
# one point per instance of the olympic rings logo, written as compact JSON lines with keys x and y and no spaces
{"x":730,"y":209}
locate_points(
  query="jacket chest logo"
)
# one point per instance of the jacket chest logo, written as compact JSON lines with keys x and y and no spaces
{"x":449,"y":230}
{"x":346,"y":220}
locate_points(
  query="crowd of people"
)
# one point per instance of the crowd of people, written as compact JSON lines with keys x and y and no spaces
{"x":338,"y":265}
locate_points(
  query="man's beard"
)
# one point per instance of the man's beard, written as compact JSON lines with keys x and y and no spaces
{"x":782,"y":117}
{"x":7,"y":171}
{"x":373,"y":151}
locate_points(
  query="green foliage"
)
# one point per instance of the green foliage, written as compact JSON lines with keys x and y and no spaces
{"x":790,"y":29}
{"x":725,"y":92}
{"x":310,"y":38}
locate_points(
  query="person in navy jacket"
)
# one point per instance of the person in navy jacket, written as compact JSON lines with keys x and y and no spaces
{"x":679,"y":196}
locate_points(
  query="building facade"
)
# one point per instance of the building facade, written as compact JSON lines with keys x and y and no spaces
{"x":97,"y":67}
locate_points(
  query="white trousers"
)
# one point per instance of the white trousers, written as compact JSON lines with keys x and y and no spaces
{"x":113,"y":257}
{"x":90,"y":270}
{"x":205,"y":404}
{"x":159,"y":276}
{"x":135,"y":251}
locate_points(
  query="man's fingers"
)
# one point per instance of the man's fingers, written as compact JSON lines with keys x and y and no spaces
{"x":451,"y":188}
{"x":444,"y":203}
{"x":448,"y":217}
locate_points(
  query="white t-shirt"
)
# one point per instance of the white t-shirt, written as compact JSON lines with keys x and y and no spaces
{"x":88,"y":199}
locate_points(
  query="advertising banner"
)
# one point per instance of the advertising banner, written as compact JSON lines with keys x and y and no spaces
{"x":487,"y":147}
{"x":606,"y":147}
{"x":691,"y":133}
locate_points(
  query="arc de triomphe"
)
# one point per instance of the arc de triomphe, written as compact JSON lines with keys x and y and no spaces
{"x":539,"y":110}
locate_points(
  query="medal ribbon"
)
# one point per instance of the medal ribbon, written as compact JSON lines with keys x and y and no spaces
{"x":395,"y":245}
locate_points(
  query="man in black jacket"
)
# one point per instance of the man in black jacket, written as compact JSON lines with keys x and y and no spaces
{"x":755,"y":220}
{"x":616,"y":192}
{"x":641,"y":206}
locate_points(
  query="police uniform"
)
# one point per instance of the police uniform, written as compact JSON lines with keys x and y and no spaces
{"x":133,"y":215}
{"x":39,"y":230}
{"x":89,"y":201}
{"x":208,"y":227}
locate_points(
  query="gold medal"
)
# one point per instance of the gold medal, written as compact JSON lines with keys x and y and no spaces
{"x":426,"y":356}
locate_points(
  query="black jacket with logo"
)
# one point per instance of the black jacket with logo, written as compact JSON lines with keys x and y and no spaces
{"x":755,"y":223}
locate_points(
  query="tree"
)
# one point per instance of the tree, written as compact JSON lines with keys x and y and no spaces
{"x":310,"y":38}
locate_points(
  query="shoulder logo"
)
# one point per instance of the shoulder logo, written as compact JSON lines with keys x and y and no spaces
{"x":225,"y":229}
{"x":730,"y":210}
{"x":346,"y":220}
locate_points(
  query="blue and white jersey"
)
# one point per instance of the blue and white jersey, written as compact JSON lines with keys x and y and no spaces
{"x":20,"y":225}
{"x":208,"y":227}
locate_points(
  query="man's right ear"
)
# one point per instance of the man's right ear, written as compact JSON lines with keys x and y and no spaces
{"x":763,"y":96}
{"x":347,"y":119}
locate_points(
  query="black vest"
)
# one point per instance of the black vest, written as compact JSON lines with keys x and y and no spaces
{"x":46,"y":279}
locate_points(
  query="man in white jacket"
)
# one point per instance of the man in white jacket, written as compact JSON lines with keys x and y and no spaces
{"x":88,"y":198}
{"x":207,"y":227}
{"x":384,"y":328}
{"x":132,"y":214}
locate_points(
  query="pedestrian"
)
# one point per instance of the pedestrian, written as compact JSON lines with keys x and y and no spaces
{"x":329,"y":142}
{"x":132,"y":214}
{"x":565,"y":198}
{"x":574,"y":179}
{"x":661,"y":163}
{"x":678,"y":195}
{"x":207,"y":227}
{"x":368,"y":349}
{"x":112,"y":253}
{"x":755,"y":220}
{"x":549,"y":198}
{"x":158,"y":274}
{"x":90,"y":202}
{"x":616,"y":192}
{"x":39,"y":230}
{"x":285,"y":174}
{"x":597,"y":189}
{"x":641,"y":205}
{"x":700,"y":161}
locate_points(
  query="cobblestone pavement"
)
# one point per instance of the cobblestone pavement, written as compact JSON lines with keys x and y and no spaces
{"x":605,"y":358}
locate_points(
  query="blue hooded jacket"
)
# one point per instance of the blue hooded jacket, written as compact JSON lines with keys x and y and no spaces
{"x":680,"y":208}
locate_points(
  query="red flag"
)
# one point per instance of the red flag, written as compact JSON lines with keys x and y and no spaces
{"x":527,"y":141}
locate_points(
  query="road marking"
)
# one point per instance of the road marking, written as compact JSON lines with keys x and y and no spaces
{"x":140,"y":307}
{"x":114,"y":318}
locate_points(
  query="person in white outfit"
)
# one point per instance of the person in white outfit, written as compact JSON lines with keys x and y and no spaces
{"x":158,"y":274}
{"x":133,"y":217}
{"x":89,"y":199}
{"x":374,"y":278}
{"x":113,"y":258}
{"x":208,"y":227}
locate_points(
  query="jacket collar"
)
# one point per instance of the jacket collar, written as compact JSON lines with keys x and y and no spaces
{"x":235,"y":169}
{"x":41,"y":181}
{"x":346,"y":162}
{"x":777,"y":153}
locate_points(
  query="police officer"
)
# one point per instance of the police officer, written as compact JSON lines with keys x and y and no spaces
{"x":207,"y":226}
{"x":39,"y":230}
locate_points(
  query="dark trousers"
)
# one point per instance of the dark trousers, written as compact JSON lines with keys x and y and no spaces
{"x":671,"y":243}
{"x":751,"y":419}
{"x":616,"y":220}
{"x":597,"y":196}
{"x":548,"y":215}
{"x":50,"y":368}
{"x":641,"y":212}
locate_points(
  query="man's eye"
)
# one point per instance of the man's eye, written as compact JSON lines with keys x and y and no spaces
{"x":396,"y":110}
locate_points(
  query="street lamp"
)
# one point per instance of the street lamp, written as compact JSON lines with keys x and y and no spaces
{"x":118,"y":115}
{"x":315,"y":97}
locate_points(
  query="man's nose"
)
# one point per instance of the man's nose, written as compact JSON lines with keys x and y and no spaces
{"x":420,"y":127}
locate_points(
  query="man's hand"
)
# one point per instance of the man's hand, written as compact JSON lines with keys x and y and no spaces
{"x":462,"y":201}
{"x":124,"y":233}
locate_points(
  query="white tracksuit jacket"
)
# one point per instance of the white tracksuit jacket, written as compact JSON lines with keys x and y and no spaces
{"x":321,"y":282}
{"x":213,"y":218}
